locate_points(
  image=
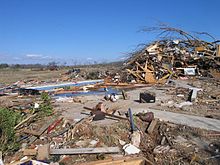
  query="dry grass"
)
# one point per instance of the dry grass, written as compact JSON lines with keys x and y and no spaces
{"x":8,"y":76}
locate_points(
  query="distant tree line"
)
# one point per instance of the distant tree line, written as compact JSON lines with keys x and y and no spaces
{"x":4,"y":66}
{"x":51,"y":66}
{"x":21,"y":66}
{"x":55,"y":65}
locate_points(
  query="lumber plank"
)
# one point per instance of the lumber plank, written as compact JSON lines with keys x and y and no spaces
{"x":42,"y":130}
{"x":73,"y":151}
{"x":123,"y":161}
{"x":152,"y":125}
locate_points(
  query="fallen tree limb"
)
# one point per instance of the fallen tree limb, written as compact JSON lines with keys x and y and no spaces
{"x":24,"y":121}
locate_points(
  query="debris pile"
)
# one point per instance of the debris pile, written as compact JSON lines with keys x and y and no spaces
{"x":182,"y":56}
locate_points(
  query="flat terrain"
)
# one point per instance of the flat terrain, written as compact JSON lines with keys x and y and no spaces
{"x":8,"y":76}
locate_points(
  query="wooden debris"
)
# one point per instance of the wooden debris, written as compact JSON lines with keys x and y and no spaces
{"x":111,"y":115}
{"x":123,"y":161}
{"x":157,"y":61}
{"x":73,"y":151}
{"x":31,"y":132}
{"x":152,"y":125}
{"x":42,"y":130}
{"x":218,"y":51}
{"x":30,"y":152}
{"x":71,"y":127}
{"x":43,"y":152}
{"x":25,"y":120}
{"x":52,"y":126}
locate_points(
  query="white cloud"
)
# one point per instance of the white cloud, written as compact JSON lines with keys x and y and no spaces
{"x":33,"y":55}
{"x":37,"y":56}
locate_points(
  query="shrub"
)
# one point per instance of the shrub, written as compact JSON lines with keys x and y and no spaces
{"x":46,"y":107}
{"x":8,"y":119}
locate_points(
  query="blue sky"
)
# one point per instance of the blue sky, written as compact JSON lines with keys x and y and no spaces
{"x":40,"y":31}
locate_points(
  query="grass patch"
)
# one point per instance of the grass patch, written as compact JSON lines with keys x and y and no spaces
{"x":8,"y":119}
{"x":46,"y":107}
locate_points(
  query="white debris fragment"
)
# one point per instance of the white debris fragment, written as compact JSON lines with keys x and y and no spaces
{"x":122,"y":142}
{"x":180,"y":95}
{"x":93,"y":142}
{"x":136,"y":138}
{"x":64,"y":99}
{"x":190,"y":71}
{"x":36,"y":105}
{"x":131,"y":149}
{"x":161,"y":149}
{"x":1,"y":162}
{"x":24,"y":158}
{"x":186,"y":103}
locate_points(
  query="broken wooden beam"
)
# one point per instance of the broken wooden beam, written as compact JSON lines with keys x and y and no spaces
{"x":54,"y":134}
{"x":73,"y":151}
{"x":44,"y":151}
{"x":122,"y":161}
{"x":25,"y":120}
{"x":42,"y":130}
{"x":135,"y":75}
{"x":111,"y":115}
{"x":152,"y":125}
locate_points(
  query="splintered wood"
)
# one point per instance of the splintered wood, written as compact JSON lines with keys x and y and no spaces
{"x":163,"y":59}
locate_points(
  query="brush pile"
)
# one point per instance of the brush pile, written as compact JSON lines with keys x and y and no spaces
{"x":178,"y":53}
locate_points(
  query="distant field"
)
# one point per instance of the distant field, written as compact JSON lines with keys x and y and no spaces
{"x":11,"y":75}
{"x":8,"y":76}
